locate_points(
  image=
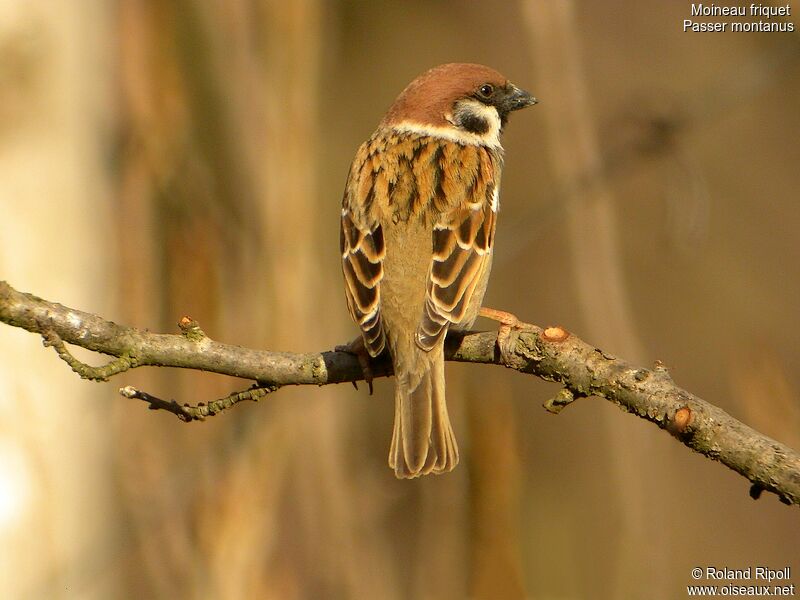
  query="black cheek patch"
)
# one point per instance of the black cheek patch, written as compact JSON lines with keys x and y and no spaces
{"x":473,"y":123}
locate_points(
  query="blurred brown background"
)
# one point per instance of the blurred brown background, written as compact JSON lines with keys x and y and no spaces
{"x":188,"y":157}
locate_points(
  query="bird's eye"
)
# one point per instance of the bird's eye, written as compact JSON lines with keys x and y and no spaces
{"x":486,"y":90}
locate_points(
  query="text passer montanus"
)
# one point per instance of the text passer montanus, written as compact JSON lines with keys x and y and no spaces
{"x":418,"y":223}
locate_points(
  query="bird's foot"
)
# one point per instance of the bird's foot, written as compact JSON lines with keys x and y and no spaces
{"x":507,"y":335}
{"x":359,"y":350}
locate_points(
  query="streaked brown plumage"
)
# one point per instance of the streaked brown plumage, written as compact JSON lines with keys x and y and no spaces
{"x":417,"y":230}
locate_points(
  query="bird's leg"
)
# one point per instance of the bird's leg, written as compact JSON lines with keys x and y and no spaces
{"x":507,"y":335}
{"x":359,"y":350}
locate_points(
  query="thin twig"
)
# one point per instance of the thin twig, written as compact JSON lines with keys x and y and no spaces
{"x":199,"y":412}
{"x":113,"y":367}
{"x":552,"y":354}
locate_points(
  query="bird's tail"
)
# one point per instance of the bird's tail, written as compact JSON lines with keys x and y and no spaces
{"x":423,"y":441}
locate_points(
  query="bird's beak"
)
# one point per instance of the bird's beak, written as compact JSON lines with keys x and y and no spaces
{"x":515,"y":99}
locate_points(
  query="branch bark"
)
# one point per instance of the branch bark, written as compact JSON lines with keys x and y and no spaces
{"x":552,"y":354}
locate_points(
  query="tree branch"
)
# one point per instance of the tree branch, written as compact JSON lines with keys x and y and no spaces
{"x":552,"y":354}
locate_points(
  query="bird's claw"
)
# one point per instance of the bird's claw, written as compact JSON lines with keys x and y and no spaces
{"x":508,"y":333}
{"x":357,"y":349}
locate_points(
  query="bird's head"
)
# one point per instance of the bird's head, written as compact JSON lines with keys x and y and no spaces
{"x":464,"y":102}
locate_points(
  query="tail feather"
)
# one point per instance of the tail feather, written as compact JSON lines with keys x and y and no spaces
{"x":423,"y":441}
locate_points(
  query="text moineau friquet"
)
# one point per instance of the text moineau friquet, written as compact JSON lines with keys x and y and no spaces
{"x":741,"y":18}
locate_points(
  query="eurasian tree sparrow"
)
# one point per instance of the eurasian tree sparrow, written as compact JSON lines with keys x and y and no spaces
{"x":417,"y":231}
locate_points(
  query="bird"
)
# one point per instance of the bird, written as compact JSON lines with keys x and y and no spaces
{"x":417,"y":234}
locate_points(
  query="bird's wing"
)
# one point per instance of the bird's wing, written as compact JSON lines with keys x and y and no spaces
{"x":463,"y":236}
{"x":363,"y":251}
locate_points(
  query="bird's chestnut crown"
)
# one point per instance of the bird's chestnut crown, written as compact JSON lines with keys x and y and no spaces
{"x":467,"y":103}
